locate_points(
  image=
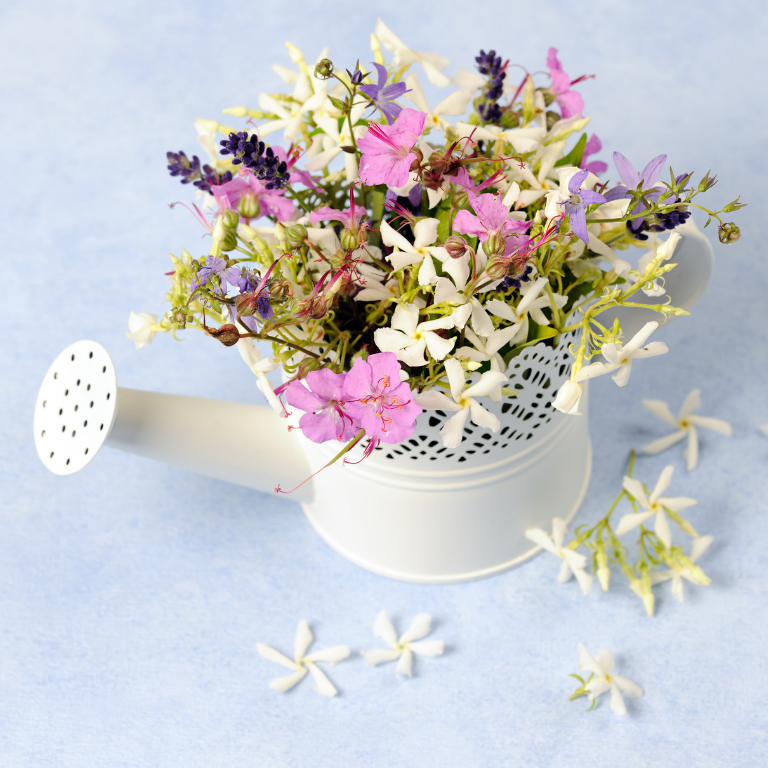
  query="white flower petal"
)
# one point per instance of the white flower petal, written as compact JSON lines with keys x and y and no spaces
{"x":651,"y":350}
{"x":565,"y":573}
{"x":699,"y":545}
{"x":595,"y":369}
{"x":677,"y":504}
{"x":605,"y":660}
{"x":576,"y":560}
{"x":303,"y":640}
{"x":333,"y":655}
{"x":283,"y":684}
{"x":587,"y":663}
{"x":380,"y":655}
{"x":453,"y":431}
{"x":628,"y":522}
{"x":585,"y":580}
{"x":404,"y":665}
{"x":419,"y":628}
{"x":432,"y":399}
{"x":716,"y":425}
{"x":272,"y":655}
{"x":559,"y":531}
{"x":383,"y":628}
{"x":657,"y":446}
{"x":635,"y":488}
{"x":425,"y":233}
{"x":621,"y":377}
{"x":691,"y":403}
{"x":691,"y":452}
{"x":483,"y":418}
{"x":677,"y":588}
{"x":393,"y":238}
{"x":542,"y":538}
{"x":486,"y":383}
{"x":617,"y":701}
{"x":664,"y":481}
{"x":628,"y":688}
{"x":662,"y":529}
{"x":322,"y":683}
{"x":661,"y":409}
{"x":455,"y":375}
{"x":640,"y":338}
{"x":428,"y":648}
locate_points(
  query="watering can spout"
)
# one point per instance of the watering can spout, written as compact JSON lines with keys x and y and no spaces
{"x":80,"y":408}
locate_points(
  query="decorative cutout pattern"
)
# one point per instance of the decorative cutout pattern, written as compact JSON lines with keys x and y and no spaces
{"x":535,"y":374}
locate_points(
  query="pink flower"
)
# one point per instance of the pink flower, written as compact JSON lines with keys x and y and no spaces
{"x":377,"y":399}
{"x":326,"y":418}
{"x":570,"y":102}
{"x":491,"y":219}
{"x":387,"y":154}
{"x":593,"y":146}
{"x":271,"y":201}
{"x":326,"y":213}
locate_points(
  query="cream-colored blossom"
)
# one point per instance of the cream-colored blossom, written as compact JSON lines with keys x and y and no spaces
{"x":573,"y":562}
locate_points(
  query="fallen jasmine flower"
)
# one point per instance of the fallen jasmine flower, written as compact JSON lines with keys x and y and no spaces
{"x":404,"y":648}
{"x":654,"y":506}
{"x":601,"y":680}
{"x":303,"y":664}
{"x":620,"y":356}
{"x":679,"y":572}
{"x":685,"y":425}
{"x":573,"y":562}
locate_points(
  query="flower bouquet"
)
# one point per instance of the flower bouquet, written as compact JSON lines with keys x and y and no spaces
{"x":402,"y":260}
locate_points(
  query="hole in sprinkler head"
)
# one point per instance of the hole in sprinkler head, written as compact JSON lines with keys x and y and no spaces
{"x":78,"y":382}
{"x":55,"y":375}
{"x":86,"y":451}
{"x":90,"y":354}
{"x":107,"y":395}
{"x":88,"y":388}
{"x":85,"y":423}
{"x":61,"y":410}
{"x":104,"y":369}
{"x":101,"y":427}
{"x":66,"y":392}
{"x":51,"y":456}
{"x":42,"y":434}
{"x":74,"y":432}
{"x":45,"y":402}
{"x":68,"y":459}
{"x":73,"y":357}
{"x":64,"y":428}
{"x":91,"y":403}
{"x":76,"y":407}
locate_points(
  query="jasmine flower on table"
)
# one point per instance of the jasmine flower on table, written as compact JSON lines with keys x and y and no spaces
{"x":678,"y":571}
{"x":620,"y":356}
{"x":601,"y":680}
{"x":685,"y":426}
{"x":573,"y":562}
{"x":303,"y":663}
{"x":404,"y":648}
{"x":654,"y":506}
{"x":464,"y":402}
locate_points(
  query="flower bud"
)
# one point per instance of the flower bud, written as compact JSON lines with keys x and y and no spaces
{"x":230,"y":219}
{"x":460,"y":199}
{"x":728,"y":233}
{"x":603,"y":572}
{"x":228,"y":335}
{"x":568,"y":398}
{"x":295,"y":236}
{"x":246,"y":304}
{"x":416,"y":164}
{"x":495,"y":245}
{"x":348,"y":239}
{"x":280,"y":289}
{"x":324,"y":69}
{"x":338,"y":259}
{"x":319,"y":309}
{"x":457,"y":246}
{"x":249,"y":207}
{"x":229,"y":242}
{"x":496,"y":268}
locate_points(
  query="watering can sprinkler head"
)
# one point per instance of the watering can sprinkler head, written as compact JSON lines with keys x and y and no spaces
{"x":79,"y":408}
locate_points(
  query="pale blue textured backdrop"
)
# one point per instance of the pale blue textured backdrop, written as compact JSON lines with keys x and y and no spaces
{"x":132,"y":594}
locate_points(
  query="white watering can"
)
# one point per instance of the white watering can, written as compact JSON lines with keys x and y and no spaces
{"x":414,"y":511}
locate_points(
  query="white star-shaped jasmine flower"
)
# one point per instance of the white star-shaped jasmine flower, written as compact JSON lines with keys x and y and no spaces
{"x":479,"y":353}
{"x":404,"y":648}
{"x":404,"y":56}
{"x":422,"y":249}
{"x":620,"y":356}
{"x":573,"y":562}
{"x":656,"y":247}
{"x":455,"y":104}
{"x":251,"y":354}
{"x":463,"y":402}
{"x":408,"y":338}
{"x":654,"y":506}
{"x":685,"y":425}
{"x":335,"y":138}
{"x":303,"y":663}
{"x":604,"y":681}
{"x":375,"y":285}
{"x":677,"y":573}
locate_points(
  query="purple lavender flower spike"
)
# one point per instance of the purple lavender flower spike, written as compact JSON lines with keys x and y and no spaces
{"x":323,"y":400}
{"x":576,"y":205}
{"x":384,"y":95}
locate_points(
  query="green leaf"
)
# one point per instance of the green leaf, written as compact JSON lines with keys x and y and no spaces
{"x":338,"y":103}
{"x":576,"y":155}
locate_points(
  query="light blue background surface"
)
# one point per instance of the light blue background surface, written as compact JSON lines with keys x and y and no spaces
{"x":132,"y":594}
